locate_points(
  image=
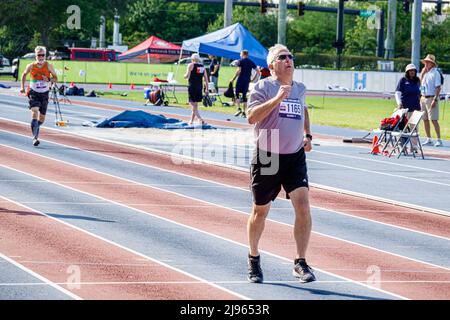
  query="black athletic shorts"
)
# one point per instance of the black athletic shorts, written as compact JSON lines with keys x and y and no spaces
{"x":38,"y":99}
{"x":195,"y":94}
{"x":268,"y":174}
{"x":241,"y":91}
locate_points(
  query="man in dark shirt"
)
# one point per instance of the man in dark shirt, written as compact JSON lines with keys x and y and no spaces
{"x":243,"y":75}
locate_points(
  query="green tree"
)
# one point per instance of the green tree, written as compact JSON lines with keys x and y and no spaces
{"x":263,"y":27}
{"x":171,"y":21}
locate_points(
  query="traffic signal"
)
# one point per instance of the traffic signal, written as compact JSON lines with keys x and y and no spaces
{"x":439,"y":8}
{"x":263,"y":6}
{"x":301,"y":8}
{"x":406,"y":5}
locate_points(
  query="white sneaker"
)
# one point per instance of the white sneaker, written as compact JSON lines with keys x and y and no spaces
{"x":428,"y":142}
{"x":438,"y":143}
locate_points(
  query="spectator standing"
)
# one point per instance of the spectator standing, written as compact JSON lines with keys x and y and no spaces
{"x":195,"y":73}
{"x":243,"y":74}
{"x":214,"y":68}
{"x":430,"y":88}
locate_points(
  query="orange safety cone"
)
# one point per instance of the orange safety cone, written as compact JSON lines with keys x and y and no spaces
{"x":375,"y":145}
{"x":110,"y":85}
{"x":132,"y":86}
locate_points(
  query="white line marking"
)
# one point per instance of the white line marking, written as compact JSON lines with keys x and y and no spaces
{"x":188,"y":227}
{"x":10,"y":284}
{"x":379,"y":161}
{"x":41,"y":278}
{"x":381,"y":173}
{"x":117,"y":244}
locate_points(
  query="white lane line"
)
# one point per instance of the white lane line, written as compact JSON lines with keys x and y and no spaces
{"x":390,"y":163}
{"x":109,"y":204}
{"x":65,"y":114}
{"x":380,"y":199}
{"x":378,"y":172}
{"x":109,"y":283}
{"x":188,"y":227}
{"x":383,"y":223}
{"x":117,"y":244}
{"x":248,"y":191}
{"x":204,"y":201}
{"x":45,"y":281}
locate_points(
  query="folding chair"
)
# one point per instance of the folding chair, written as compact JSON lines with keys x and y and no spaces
{"x":213,"y":94}
{"x":168,"y":88}
{"x":410,"y":131}
{"x":385,"y":136}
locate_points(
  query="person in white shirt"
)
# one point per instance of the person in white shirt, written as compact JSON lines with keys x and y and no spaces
{"x":431,"y":84}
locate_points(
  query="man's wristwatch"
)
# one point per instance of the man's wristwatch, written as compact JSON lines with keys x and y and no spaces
{"x":308,"y":136}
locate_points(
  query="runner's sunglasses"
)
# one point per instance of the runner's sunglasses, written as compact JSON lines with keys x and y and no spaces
{"x":283,"y":57}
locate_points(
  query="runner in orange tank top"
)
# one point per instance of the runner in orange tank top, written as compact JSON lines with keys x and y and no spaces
{"x":41,"y":73}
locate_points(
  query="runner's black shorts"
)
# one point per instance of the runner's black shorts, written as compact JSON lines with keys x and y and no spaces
{"x":38,"y":99}
{"x":268,"y":174}
{"x":195,"y":94}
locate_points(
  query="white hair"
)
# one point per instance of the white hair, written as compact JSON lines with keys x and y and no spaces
{"x":40,"y":48}
{"x":195,"y":57}
{"x":273,"y":50}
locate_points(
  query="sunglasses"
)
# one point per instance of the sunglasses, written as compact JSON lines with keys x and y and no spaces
{"x":283,"y":57}
{"x":41,"y":55}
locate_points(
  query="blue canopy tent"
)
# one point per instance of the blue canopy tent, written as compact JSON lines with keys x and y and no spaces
{"x":228,"y":43}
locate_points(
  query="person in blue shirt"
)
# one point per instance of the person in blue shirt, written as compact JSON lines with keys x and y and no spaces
{"x":243,"y":75}
{"x":407,"y":94}
{"x":431,"y":89}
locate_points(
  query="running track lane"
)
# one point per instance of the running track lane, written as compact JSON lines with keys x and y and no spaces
{"x":346,"y":259}
{"x":36,"y":237}
{"x":365,"y":208}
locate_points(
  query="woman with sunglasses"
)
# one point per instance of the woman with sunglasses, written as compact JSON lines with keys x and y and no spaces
{"x":282,"y":133}
{"x":41,"y":73}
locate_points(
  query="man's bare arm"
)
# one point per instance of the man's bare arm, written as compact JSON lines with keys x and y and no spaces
{"x":52,"y":70}
{"x":188,"y":71}
{"x":236,"y":74}
{"x":24,"y":77}
{"x":259,"y":112}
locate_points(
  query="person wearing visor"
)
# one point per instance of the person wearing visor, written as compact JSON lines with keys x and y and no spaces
{"x":407,"y":94}
{"x":282,"y":131}
{"x":41,"y":73}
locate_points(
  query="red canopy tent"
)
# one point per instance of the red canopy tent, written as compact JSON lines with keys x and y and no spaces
{"x":154,"y":50}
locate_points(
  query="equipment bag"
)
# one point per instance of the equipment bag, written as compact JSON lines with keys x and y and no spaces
{"x":229,"y":93}
{"x":156,"y":97}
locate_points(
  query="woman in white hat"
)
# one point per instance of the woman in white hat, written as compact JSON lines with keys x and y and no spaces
{"x":407,"y":94}
{"x":431,"y":88}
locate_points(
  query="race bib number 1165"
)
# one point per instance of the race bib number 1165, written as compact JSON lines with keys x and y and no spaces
{"x":291,"y":109}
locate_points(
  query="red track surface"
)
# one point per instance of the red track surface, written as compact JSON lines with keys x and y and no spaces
{"x":339,"y":257}
{"x":49,"y":247}
{"x":383,"y":212}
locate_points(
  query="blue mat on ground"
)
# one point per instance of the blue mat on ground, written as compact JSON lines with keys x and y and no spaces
{"x":4,"y":86}
{"x":142,"y":119}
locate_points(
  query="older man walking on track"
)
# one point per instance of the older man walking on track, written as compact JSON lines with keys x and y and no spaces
{"x":282,"y":130}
